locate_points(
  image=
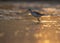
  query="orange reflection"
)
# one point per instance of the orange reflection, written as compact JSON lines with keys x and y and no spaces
{"x":46,"y":41}
{"x":37,"y":35}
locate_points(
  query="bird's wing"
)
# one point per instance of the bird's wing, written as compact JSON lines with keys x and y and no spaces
{"x":39,"y":13}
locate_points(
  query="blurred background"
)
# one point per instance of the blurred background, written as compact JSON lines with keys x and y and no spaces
{"x":16,"y":26}
{"x":29,"y":0}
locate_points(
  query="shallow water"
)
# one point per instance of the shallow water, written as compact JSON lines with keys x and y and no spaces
{"x":23,"y":28}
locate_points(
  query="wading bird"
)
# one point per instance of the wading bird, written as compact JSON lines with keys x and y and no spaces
{"x":36,"y":14}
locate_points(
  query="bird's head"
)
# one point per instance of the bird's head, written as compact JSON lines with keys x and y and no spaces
{"x":29,"y":10}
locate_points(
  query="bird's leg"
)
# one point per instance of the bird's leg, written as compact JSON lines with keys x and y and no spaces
{"x":38,"y":20}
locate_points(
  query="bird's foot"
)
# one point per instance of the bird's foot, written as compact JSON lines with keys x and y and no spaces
{"x":36,"y":23}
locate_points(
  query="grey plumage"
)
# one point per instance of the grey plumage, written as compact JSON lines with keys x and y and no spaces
{"x":36,"y":14}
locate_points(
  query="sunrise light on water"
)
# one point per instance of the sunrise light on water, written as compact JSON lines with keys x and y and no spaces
{"x":16,"y":26}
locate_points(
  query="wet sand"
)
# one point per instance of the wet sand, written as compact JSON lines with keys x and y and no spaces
{"x":26,"y":30}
